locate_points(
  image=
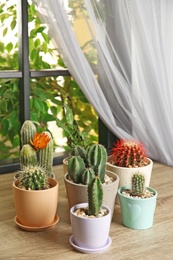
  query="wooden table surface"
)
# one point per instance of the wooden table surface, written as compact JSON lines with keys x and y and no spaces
{"x":154,"y":243}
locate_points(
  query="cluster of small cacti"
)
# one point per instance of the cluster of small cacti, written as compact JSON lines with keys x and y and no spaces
{"x":32,"y":178}
{"x":88,"y":163}
{"x":128,"y":154}
{"x":36,"y":157}
{"x":138,"y":185}
{"x":37,"y":149}
{"x":89,"y":167}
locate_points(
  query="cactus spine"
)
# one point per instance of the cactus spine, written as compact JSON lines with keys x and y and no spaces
{"x":27,"y":132}
{"x":138,"y":184}
{"x":28,"y":156}
{"x":95,"y":196}
{"x":32,"y":178}
{"x":45,"y":156}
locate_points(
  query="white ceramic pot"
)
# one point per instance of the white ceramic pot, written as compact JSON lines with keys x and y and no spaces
{"x":90,"y":233}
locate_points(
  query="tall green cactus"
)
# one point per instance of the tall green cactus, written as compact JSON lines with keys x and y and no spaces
{"x":95,"y":196}
{"x":28,"y":156}
{"x":45,"y":156}
{"x":27,"y":132}
{"x":138,"y":184}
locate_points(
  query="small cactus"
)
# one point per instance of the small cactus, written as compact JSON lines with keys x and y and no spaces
{"x":95,"y":196}
{"x":28,"y":156}
{"x":128,"y":154}
{"x":32,"y":178}
{"x":138,"y":185}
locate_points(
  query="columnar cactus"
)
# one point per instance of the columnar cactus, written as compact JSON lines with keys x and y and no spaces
{"x":138,"y":184}
{"x":97,"y":157}
{"x":128,"y":154}
{"x":32,"y":178}
{"x":45,"y":156}
{"x":27,"y":132}
{"x":95,"y":196}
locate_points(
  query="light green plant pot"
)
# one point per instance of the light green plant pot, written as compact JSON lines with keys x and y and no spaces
{"x":137,"y":213}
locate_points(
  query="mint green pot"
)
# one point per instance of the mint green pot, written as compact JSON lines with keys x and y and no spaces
{"x":137,"y":213}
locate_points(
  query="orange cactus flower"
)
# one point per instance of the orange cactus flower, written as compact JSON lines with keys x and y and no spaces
{"x":40,"y":141}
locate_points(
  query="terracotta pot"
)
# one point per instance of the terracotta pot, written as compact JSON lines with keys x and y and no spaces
{"x":77,"y":193}
{"x":137,"y":213}
{"x":90,"y":233}
{"x":125,"y":174}
{"x":36,"y":208}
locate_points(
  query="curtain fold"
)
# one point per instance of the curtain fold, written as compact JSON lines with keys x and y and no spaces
{"x":130,"y":79}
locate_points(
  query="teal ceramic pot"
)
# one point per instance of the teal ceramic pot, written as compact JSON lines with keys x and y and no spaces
{"x":137,"y":213}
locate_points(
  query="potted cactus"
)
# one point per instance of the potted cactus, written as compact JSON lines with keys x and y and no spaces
{"x":33,"y":187}
{"x":91,"y":221}
{"x":128,"y":157}
{"x":83,"y":166}
{"x":138,"y":203}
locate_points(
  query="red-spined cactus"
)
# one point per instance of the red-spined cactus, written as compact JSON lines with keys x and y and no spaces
{"x":129,"y":153}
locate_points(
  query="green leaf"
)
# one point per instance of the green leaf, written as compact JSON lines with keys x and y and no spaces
{"x":69,"y":115}
{"x":37,"y":43}
{"x":54,"y":110}
{"x":5,"y":31}
{"x":38,"y":104}
{"x":13,"y":24}
{"x":45,"y":37}
{"x":9,"y":46}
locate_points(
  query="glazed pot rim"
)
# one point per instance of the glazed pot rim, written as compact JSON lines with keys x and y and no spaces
{"x":84,"y":205}
{"x":133,"y":198}
{"x":116,"y":166}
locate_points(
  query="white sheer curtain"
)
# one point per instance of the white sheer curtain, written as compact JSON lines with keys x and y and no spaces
{"x":133,"y":41}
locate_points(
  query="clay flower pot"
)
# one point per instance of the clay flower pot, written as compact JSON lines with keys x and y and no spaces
{"x":36,"y":208}
{"x":77,"y":193}
{"x":90,"y":233}
{"x":137,"y":213}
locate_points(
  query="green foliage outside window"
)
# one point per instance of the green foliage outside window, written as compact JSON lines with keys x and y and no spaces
{"x":47,"y":95}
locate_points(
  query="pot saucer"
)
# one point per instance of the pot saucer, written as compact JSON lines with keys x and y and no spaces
{"x":42,"y":228}
{"x":89,"y":250}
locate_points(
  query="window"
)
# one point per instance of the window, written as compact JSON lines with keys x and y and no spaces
{"x":30,"y":85}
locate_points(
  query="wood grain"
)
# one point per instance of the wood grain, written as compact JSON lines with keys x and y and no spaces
{"x":154,"y":243}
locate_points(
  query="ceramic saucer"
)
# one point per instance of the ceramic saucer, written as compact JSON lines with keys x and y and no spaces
{"x":28,"y":228}
{"x":89,"y":250}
